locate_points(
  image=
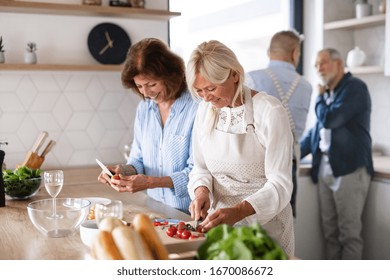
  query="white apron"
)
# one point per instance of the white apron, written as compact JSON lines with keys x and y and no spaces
{"x":236,"y":162}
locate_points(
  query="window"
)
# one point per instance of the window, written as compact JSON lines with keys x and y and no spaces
{"x":245,"y":26}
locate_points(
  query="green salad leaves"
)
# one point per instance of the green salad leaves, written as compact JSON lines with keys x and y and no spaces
{"x":21,"y":182}
{"x":225,"y":242}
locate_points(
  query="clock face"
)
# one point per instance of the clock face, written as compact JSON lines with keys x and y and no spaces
{"x":108,"y":43}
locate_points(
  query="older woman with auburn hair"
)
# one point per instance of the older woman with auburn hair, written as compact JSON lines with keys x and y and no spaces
{"x":161,"y":155}
{"x":242,"y":145}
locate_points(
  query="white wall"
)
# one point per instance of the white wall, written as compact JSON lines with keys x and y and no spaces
{"x":88,"y":113}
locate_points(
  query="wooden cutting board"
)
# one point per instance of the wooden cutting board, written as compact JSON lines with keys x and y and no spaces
{"x":179,"y":248}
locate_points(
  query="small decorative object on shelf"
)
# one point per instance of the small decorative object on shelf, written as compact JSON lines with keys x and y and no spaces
{"x":119,"y":3}
{"x":356,"y":57}
{"x":362,"y":8}
{"x":30,"y":57}
{"x":382,"y":7}
{"x":92,"y":2}
{"x":2,"y":50}
{"x":137,"y":3}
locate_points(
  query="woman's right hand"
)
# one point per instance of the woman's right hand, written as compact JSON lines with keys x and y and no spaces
{"x":104,"y":178}
{"x":201,"y":204}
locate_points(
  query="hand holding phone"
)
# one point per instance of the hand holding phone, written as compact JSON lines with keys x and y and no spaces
{"x":104,"y":168}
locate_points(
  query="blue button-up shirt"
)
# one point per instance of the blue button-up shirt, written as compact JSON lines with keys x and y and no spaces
{"x":165,"y":151}
{"x":299,"y":103}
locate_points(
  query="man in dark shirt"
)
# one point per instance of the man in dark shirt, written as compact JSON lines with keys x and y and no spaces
{"x":340,"y":144}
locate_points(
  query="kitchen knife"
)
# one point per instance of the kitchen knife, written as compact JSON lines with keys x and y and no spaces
{"x":105,"y":169}
{"x":39,"y":142}
{"x":48,"y":148}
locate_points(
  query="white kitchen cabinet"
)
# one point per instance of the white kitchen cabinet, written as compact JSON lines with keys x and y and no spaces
{"x":376,"y":219}
{"x":309,"y":244}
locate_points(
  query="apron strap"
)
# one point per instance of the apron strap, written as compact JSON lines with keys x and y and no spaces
{"x":250,"y":127}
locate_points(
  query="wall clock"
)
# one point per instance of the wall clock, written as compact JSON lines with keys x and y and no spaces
{"x":108,"y":43}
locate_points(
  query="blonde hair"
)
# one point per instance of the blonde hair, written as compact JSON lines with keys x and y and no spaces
{"x":215,"y":62}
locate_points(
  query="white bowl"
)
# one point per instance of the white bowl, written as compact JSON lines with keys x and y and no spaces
{"x":71,"y":212}
{"x":88,"y":232}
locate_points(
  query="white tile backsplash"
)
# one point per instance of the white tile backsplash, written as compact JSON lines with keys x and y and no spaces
{"x":88,"y":114}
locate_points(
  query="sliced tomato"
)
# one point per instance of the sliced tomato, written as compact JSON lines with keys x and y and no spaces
{"x":181,"y":225}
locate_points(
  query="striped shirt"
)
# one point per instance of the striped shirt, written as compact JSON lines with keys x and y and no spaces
{"x":165,"y":151}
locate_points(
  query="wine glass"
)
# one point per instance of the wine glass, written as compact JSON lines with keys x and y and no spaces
{"x":54,"y":180}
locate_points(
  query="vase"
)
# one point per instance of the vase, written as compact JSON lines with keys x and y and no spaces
{"x":30,"y":58}
{"x":2,"y":57}
{"x":363,"y":10}
{"x":356,"y":57}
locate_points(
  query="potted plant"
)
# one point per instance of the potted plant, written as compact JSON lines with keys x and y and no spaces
{"x":30,"y":56}
{"x":2,"y":57}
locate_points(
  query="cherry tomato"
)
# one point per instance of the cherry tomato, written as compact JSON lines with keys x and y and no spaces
{"x":116,"y":177}
{"x":179,"y":232}
{"x":171,"y":231}
{"x":185,"y":234}
{"x":192,"y":236}
{"x":156,"y":224}
{"x":199,"y":228}
{"x":181,"y":225}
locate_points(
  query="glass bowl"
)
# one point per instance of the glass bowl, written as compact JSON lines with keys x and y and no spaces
{"x":72,"y":213}
{"x":22,"y":189}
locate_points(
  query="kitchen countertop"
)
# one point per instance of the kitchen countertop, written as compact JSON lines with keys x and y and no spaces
{"x":381,"y":167}
{"x":20,"y":240}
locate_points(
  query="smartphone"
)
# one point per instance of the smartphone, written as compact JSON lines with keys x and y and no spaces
{"x":104,"y":168}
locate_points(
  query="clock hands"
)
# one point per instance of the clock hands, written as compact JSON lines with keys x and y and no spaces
{"x":110,"y":43}
{"x":103,"y":50}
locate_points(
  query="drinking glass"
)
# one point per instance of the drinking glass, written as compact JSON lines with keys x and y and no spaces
{"x":113,"y":209}
{"x":54,"y":180}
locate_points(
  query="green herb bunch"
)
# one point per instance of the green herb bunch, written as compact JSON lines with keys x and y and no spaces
{"x":225,"y":242}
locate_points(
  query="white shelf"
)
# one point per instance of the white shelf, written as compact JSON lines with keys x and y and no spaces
{"x":372,"y":69}
{"x":84,"y":10}
{"x":354,"y":23}
{"x":59,"y":67}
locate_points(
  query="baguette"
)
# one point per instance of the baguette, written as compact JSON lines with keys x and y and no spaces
{"x":109,"y":223}
{"x":104,"y":247}
{"x":130,"y":244}
{"x":146,"y":230}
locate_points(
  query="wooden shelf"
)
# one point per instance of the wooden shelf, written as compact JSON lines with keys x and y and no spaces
{"x":9,"y":6}
{"x":356,"y":22}
{"x":59,"y":67}
{"x":372,"y":69}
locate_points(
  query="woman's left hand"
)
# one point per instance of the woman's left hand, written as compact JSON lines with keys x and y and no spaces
{"x":228,"y":216}
{"x":220,"y":216}
{"x":132,"y":184}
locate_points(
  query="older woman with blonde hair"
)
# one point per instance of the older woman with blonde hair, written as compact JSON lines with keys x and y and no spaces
{"x":242,"y":144}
